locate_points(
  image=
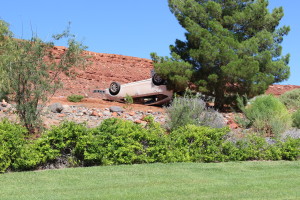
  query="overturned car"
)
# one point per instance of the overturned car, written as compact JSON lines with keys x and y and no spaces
{"x":151,"y":91}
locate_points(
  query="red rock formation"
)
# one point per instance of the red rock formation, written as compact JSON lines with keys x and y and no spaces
{"x":104,"y":69}
{"x":278,"y":90}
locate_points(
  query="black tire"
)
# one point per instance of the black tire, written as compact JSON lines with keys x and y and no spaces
{"x":157,"y":80}
{"x":114,"y":88}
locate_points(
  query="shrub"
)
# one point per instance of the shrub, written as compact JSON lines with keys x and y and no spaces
{"x":187,"y":110}
{"x":291,"y":99}
{"x":67,"y":140}
{"x":30,"y":157}
{"x":253,"y":147}
{"x":128,"y":99}
{"x":268,"y":115}
{"x":61,"y":145}
{"x":118,"y":141}
{"x":198,"y":143}
{"x":114,"y":142}
{"x":11,"y":143}
{"x":75,"y":98}
{"x":296,"y":119}
{"x":290,"y":149}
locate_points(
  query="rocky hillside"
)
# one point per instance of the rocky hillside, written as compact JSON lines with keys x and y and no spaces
{"x":106,"y":68}
{"x":278,"y":90}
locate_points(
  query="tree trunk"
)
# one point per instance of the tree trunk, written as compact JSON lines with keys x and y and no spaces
{"x":219,"y":98}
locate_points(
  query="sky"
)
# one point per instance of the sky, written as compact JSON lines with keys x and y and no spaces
{"x":125,"y":27}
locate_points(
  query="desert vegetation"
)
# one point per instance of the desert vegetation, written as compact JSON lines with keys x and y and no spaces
{"x":118,"y":141}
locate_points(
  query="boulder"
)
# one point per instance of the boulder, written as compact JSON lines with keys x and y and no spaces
{"x":56,"y":107}
{"x":107,"y":113}
{"x":67,"y":109}
{"x":94,"y":113}
{"x":116,"y":109}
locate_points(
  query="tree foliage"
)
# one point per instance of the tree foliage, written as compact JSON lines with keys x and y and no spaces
{"x":174,"y":69}
{"x":233,"y":46}
{"x":31,"y":69}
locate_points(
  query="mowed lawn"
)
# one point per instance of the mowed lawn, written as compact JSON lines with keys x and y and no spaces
{"x":233,"y":180}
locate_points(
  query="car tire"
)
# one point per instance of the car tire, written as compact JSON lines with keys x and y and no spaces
{"x":114,"y":88}
{"x":157,"y":80}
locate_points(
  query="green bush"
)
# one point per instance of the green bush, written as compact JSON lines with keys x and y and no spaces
{"x":128,"y":99}
{"x":11,"y":143}
{"x":187,"y":110}
{"x":67,"y":140}
{"x":296,"y":119}
{"x":30,"y":157}
{"x":75,"y":98}
{"x":115,"y":141}
{"x":252,"y":147}
{"x":193,"y":143}
{"x":266,"y":114}
{"x":291,"y":99}
{"x":118,"y":141}
{"x":290,"y":149}
{"x":63,"y":144}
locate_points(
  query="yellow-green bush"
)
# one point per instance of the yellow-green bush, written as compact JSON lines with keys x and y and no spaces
{"x":118,"y":141}
{"x":296,"y":119}
{"x":266,"y":114}
{"x":291,"y":99}
{"x":198,"y":143}
{"x":11,"y":143}
{"x":75,"y":98}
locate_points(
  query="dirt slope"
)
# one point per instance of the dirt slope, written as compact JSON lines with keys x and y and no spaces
{"x":278,"y":90}
{"x":104,"y":69}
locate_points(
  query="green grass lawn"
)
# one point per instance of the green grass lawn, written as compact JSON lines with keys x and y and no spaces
{"x":234,"y":180}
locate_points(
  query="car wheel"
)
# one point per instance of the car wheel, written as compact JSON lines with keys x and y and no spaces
{"x":114,"y":88}
{"x":157,"y":80}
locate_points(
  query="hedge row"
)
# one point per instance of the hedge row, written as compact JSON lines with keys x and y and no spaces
{"x":118,"y":141}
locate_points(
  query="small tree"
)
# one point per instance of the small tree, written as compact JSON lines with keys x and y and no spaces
{"x":5,"y":33}
{"x":33,"y":72}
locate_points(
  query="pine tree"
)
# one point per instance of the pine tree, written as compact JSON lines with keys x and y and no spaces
{"x":233,"y":46}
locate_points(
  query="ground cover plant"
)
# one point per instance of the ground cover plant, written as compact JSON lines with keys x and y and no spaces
{"x":232,"y":180}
